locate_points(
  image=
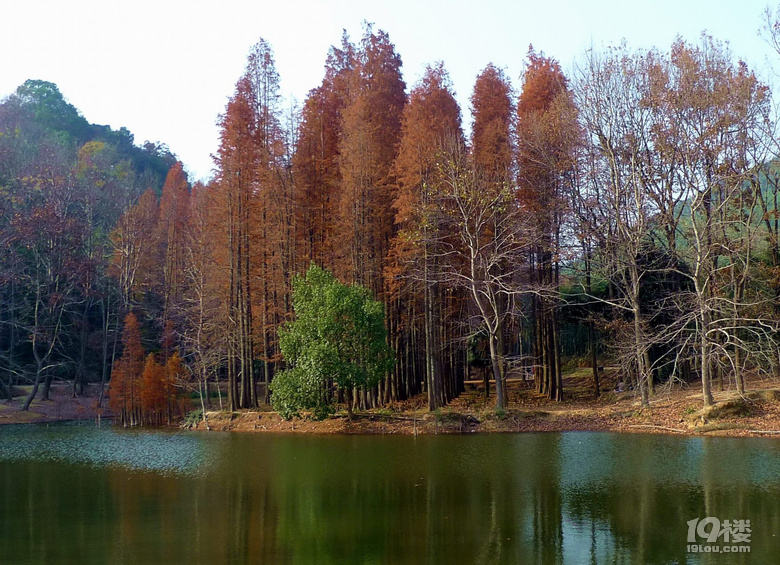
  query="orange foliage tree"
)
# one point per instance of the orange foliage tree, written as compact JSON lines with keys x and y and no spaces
{"x":546,"y":133}
{"x":491,"y":133}
{"x":272,"y":262}
{"x":237,"y":161}
{"x":253,"y":203}
{"x":169,"y":236}
{"x":316,"y":159}
{"x":125,"y":388}
{"x":154,"y":393}
{"x":371,"y":129}
{"x":158,"y":389}
{"x":492,"y":159}
{"x":430,"y":120}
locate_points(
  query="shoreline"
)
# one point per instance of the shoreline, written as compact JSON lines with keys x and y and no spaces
{"x":644,"y":421}
{"x":673,"y":410}
{"x":369,"y":423}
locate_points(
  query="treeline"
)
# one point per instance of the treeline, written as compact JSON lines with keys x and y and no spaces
{"x":629,"y":210}
{"x":64,"y":183}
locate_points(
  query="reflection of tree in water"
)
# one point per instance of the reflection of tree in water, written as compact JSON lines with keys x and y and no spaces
{"x":637,"y":505}
{"x":431,"y":500}
{"x":175,"y":519}
{"x":525,"y":503}
{"x":526,"y":498}
{"x":548,"y":500}
{"x":633,"y":515}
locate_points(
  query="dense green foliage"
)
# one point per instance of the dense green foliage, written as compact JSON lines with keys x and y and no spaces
{"x":338,"y":338}
{"x":38,"y":111}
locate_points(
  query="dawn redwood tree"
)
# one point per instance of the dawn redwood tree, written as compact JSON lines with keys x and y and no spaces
{"x":371,"y":127}
{"x":236,"y":186}
{"x":492,"y":159}
{"x":315,"y":162}
{"x":546,"y":138}
{"x":169,"y":237}
{"x":370,"y":130}
{"x":154,"y":401}
{"x":430,"y":119}
{"x":254,"y":202}
{"x":273,"y":261}
{"x":491,"y":130}
{"x":125,"y":388}
{"x":176,"y":377}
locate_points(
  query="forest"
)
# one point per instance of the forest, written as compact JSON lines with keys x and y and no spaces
{"x":627,"y":212}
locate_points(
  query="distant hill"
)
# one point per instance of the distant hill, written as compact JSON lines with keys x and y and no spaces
{"x":38,"y":109}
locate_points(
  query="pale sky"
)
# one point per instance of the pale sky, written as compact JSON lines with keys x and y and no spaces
{"x":165,"y":68}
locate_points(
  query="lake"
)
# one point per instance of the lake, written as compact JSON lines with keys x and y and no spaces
{"x":75,"y":493}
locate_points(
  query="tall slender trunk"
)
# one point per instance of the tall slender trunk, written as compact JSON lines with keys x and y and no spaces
{"x":591,"y":328}
{"x":640,"y":354}
{"x":706,"y":362}
{"x":495,"y":362}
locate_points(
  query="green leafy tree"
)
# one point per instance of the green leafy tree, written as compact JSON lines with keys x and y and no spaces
{"x":338,"y":341}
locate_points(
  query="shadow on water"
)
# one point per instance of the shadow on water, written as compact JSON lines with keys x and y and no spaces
{"x":79,"y":494}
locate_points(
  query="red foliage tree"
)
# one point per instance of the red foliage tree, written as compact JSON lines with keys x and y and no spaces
{"x":237,"y":162}
{"x":316,"y":159}
{"x":491,"y":134}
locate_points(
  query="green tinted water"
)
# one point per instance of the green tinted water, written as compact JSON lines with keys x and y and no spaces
{"x":82,"y":495}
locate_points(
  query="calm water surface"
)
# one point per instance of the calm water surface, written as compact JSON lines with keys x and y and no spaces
{"x":82,"y":495}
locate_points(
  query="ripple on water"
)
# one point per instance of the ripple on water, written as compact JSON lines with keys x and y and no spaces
{"x":78,"y":443}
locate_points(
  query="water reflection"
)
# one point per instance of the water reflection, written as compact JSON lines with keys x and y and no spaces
{"x":78,"y":495}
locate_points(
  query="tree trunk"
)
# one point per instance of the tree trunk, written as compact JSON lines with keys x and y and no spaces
{"x":594,"y":360}
{"x":34,"y":391}
{"x":348,"y":399}
{"x":738,"y":376}
{"x":46,"y":386}
{"x":640,"y":356}
{"x":706,"y":388}
{"x":496,"y":364}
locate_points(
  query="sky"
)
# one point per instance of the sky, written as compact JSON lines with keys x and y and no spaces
{"x":166,"y":68}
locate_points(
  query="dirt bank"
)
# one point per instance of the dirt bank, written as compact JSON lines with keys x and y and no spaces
{"x":673,"y":410}
{"x":62,"y":406}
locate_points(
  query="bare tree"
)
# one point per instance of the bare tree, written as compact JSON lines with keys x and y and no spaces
{"x":481,"y":240}
{"x":613,"y":203}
